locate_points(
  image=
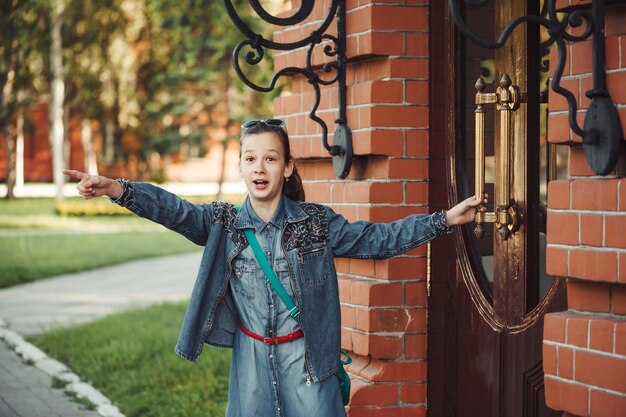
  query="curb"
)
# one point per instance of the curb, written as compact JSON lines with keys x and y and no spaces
{"x":74,"y":387}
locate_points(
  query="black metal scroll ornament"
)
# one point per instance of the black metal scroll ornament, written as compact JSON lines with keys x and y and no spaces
{"x":341,"y":149}
{"x":602,"y":133}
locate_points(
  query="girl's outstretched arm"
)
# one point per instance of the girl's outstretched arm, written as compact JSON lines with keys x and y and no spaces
{"x":464,"y":212}
{"x":95,"y":185}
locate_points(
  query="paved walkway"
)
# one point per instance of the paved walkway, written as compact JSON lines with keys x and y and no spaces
{"x":26,"y":381}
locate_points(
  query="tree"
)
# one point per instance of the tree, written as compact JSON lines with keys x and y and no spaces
{"x":20,"y":47}
{"x":57,"y":97}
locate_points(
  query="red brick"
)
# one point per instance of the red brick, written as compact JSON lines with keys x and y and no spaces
{"x":378,"y":142}
{"x":587,"y":296}
{"x":622,"y":195}
{"x":406,"y":268}
{"x":371,"y":293}
{"x":391,"y":320}
{"x":363,"y":393}
{"x":404,"y":411}
{"x":348,"y":316}
{"x":417,"y":92}
{"x":558,"y":129}
{"x":565,"y":360}
{"x":363,"y":268}
{"x":620,"y":338}
{"x":558,"y":195}
{"x":380,"y":43}
{"x":565,"y":396}
{"x":604,"y":404}
{"x":578,"y":331}
{"x":557,"y":102}
{"x":611,"y":45}
{"x":398,"y":116}
{"x":400,"y":18}
{"x":615,"y":82}
{"x":593,"y":265}
{"x":386,"y":192}
{"x":415,"y":346}
{"x":591,"y":229}
{"x":578,"y":166}
{"x":556,"y":261}
{"x":583,"y":57}
{"x":554,"y":58}
{"x":417,"y":45}
{"x":415,"y":294}
{"x":408,"y":169}
{"x":413,"y":393}
{"x":601,"y":371}
{"x":408,"y":68}
{"x":360,"y":343}
{"x":618,"y":300}
{"x":371,"y":92}
{"x":346,"y":339}
{"x":562,"y":228}
{"x":622,"y":268}
{"x":615,"y":24}
{"x":554,"y":325}
{"x":586,"y":84}
{"x":594,"y":195}
{"x":382,"y":371}
{"x":549,"y":360}
{"x":416,"y":193}
{"x":385,"y":347}
{"x":601,"y":335}
{"x":417,"y":143}
{"x":616,"y":231}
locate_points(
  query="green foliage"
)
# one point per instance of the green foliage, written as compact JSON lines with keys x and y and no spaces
{"x":129,"y":357}
{"x":26,"y":257}
{"x":93,"y":207}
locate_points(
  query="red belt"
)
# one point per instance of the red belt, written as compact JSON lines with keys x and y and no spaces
{"x":273,"y":340}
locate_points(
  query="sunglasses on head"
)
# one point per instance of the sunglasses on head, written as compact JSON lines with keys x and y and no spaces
{"x":268,"y":122}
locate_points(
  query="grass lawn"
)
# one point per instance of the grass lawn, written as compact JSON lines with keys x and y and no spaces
{"x":25,"y":257}
{"x":36,"y":242}
{"x":130,"y":358}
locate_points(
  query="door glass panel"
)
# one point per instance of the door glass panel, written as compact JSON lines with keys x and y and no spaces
{"x":478,"y":61}
{"x":553,"y":160}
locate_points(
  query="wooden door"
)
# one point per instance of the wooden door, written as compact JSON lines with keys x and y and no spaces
{"x":488,"y":296}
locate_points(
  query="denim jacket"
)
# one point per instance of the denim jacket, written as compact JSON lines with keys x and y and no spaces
{"x":313,"y":236}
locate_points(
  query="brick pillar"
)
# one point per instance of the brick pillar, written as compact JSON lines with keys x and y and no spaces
{"x":584,"y":348}
{"x":383,"y":303}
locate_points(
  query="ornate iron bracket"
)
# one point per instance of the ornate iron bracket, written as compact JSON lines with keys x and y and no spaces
{"x":341,"y":149}
{"x":601,"y":133}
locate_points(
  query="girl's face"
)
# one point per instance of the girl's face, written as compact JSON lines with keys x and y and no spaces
{"x":263,"y":166}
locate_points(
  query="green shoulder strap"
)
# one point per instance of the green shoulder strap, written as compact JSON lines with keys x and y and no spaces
{"x":270,"y":274}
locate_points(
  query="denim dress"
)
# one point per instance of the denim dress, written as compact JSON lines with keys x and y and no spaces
{"x":271,"y":380}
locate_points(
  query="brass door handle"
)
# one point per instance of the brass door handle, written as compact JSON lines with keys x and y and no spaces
{"x":507,"y":99}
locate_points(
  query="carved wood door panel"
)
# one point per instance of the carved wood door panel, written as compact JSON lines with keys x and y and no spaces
{"x":488,"y":296}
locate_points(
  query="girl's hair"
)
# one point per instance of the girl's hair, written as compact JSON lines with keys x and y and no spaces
{"x":292,"y":186}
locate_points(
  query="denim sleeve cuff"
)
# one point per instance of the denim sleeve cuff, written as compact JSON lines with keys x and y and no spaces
{"x":126,"y":199}
{"x":440,"y":224}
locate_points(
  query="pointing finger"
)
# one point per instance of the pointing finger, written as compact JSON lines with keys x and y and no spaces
{"x":75,"y":174}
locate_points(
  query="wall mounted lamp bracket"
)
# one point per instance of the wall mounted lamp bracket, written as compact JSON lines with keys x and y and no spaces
{"x":335,"y":46}
{"x":601,"y":132}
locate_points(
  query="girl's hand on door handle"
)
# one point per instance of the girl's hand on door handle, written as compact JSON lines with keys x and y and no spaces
{"x":464,"y":212}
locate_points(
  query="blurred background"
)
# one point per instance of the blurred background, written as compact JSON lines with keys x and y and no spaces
{"x":124,"y":88}
{"x":141,"y":89}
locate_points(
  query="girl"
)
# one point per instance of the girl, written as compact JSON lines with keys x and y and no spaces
{"x":280,"y":366}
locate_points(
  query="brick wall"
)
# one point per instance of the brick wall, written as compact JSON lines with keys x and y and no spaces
{"x":383,"y":303}
{"x":585,"y":347}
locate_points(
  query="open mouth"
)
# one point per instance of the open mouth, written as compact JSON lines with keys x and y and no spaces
{"x":260,"y":184}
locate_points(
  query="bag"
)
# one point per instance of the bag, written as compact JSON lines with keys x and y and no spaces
{"x":344,"y":379}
